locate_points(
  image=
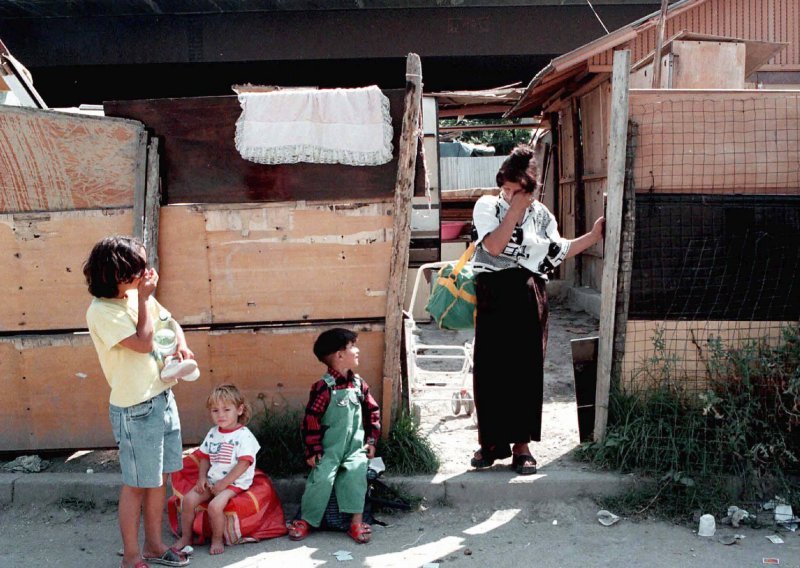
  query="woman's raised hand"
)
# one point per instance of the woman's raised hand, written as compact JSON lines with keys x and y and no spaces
{"x":599,"y":229}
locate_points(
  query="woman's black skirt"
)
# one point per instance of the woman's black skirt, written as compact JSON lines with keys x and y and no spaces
{"x":510,"y":342}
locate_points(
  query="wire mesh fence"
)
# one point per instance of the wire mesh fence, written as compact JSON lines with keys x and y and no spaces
{"x":708,"y":380}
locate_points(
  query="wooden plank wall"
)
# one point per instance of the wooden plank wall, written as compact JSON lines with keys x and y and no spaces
{"x":54,"y":393}
{"x":281,"y":262}
{"x":720,"y":144}
{"x":741,"y":142}
{"x":52,"y":161}
{"x":200,"y":163}
{"x":254,"y":284}
{"x":41,"y":266}
{"x":675,"y":354}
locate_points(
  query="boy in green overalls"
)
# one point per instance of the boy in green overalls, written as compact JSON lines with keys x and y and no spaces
{"x":340,"y":428}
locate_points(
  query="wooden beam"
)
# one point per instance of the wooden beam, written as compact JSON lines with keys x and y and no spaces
{"x":398,"y":268}
{"x":139,"y":189}
{"x":477,"y":127}
{"x":615,"y":186}
{"x":628,"y":233}
{"x":662,"y":22}
{"x":470,"y":110}
{"x":152,"y":207}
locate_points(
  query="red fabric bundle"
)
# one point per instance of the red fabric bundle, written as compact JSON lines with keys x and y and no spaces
{"x":251,"y":516}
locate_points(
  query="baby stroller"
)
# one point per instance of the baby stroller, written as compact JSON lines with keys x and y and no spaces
{"x":443,"y":370}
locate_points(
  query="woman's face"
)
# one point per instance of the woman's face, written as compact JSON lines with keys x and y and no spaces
{"x":509,"y":189}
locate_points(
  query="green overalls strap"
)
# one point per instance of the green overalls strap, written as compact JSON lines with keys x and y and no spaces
{"x":344,"y":460}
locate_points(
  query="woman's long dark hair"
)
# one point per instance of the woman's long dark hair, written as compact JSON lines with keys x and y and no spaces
{"x":113,"y":261}
{"x":520,"y":167}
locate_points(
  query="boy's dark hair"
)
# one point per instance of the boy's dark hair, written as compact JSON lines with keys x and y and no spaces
{"x":520,"y":167}
{"x":113,"y":261}
{"x":331,"y":341}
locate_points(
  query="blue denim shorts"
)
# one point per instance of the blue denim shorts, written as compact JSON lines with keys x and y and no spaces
{"x":149,"y":438}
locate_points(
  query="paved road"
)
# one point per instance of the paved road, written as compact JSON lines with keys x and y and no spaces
{"x":552,"y":533}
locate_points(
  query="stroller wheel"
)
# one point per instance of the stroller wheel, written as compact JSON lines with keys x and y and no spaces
{"x":469,"y":404}
{"x":455,"y":403}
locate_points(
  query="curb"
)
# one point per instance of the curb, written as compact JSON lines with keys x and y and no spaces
{"x":471,"y":488}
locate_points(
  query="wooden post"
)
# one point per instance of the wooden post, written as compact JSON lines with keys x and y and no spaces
{"x":662,"y":22}
{"x":152,"y":204}
{"x":398,"y":270}
{"x":140,"y":189}
{"x":615,"y":186}
{"x":628,"y":232}
{"x":579,"y":196}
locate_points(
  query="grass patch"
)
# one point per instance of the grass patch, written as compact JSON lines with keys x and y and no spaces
{"x":407,"y":451}
{"x":735,"y":442}
{"x":277,"y":429}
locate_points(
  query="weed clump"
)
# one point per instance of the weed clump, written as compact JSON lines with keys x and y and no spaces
{"x":407,"y":451}
{"x":736,"y":440}
{"x":277,"y":429}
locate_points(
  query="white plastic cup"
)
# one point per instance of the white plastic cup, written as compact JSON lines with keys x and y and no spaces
{"x":707,"y":526}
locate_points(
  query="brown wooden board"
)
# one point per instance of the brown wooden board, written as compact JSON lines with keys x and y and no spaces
{"x":275,"y":262}
{"x":53,"y":161}
{"x":200,"y":163}
{"x":723,"y":142}
{"x":675,"y":354}
{"x":184,"y":285}
{"x":41,"y":266}
{"x":54,"y":394}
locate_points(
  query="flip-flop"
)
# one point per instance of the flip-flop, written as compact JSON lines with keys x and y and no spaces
{"x":488,"y":456}
{"x":171,"y":557}
{"x":360,"y":532}
{"x":524,"y":464}
{"x":299,"y":529}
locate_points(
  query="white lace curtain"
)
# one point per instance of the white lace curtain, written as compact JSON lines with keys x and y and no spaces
{"x":325,"y":126}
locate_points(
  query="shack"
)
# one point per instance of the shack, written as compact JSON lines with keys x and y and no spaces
{"x":255,"y":260}
{"x":712,"y":183}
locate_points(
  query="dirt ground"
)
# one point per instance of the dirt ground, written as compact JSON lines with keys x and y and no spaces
{"x":563,"y":534}
{"x":455,"y":437}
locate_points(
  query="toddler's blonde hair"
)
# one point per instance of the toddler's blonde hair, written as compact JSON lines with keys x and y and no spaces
{"x":229,"y":393}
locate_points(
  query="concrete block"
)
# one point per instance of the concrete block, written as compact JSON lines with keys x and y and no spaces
{"x":7,"y":487}
{"x":586,"y":299}
{"x":98,"y":488}
{"x":495,"y":487}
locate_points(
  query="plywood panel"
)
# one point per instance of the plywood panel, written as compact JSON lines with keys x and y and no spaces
{"x":200,"y":163}
{"x":184,"y":282}
{"x":695,"y":141}
{"x":294,"y":262}
{"x":594,"y":123}
{"x":274,"y":367}
{"x":55,"y":161}
{"x":41,"y":265}
{"x":54,"y":394}
{"x":708,"y":65}
{"x":675,"y":354}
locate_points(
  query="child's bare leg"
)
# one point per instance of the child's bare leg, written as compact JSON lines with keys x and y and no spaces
{"x":358,"y":518}
{"x":189,"y":503}
{"x":154,"y":500}
{"x":130,"y":511}
{"x":216,"y":515}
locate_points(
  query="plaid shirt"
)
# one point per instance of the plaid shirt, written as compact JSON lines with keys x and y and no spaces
{"x":318,"y":403}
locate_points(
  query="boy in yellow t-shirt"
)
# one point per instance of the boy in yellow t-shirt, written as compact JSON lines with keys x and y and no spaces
{"x":122,"y":319}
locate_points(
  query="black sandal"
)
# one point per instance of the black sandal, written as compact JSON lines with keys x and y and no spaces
{"x":524,"y":464}
{"x":488,"y":456}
